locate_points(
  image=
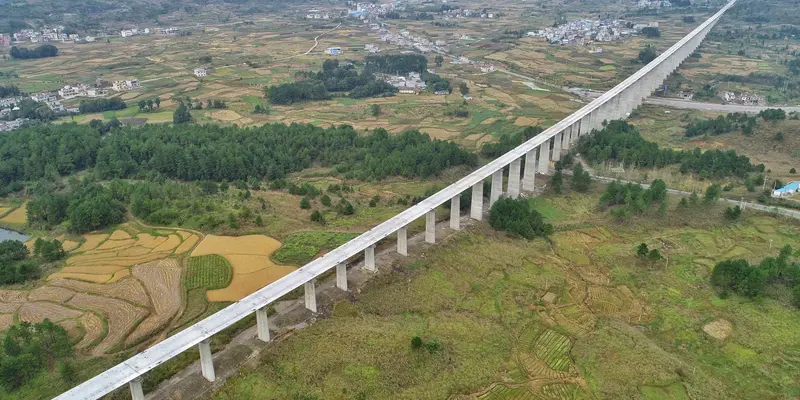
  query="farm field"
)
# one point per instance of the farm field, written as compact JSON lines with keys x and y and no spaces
{"x":116,"y":290}
{"x":249,"y":259}
{"x":578,"y":316}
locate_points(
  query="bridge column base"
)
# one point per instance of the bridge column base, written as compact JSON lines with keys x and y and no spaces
{"x":402,"y":241}
{"x":262,"y":324}
{"x":207,"y":361}
{"x":455,"y":212}
{"x":476,"y":207}
{"x":341,"y":276}
{"x":430,"y":226}
{"x":310,"y":296}
{"x":137,"y":393}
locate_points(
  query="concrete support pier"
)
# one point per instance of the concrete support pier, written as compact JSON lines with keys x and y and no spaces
{"x":497,"y":186}
{"x":544,"y":157}
{"x":455,"y":213}
{"x":402,"y":241}
{"x":137,"y":393}
{"x":262,"y":324}
{"x":369,"y":258}
{"x":430,"y":226}
{"x":476,"y":207}
{"x":206,"y":362}
{"x":557,"y":145}
{"x":513,"y":178}
{"x":311,"y":296}
{"x":529,"y":177}
{"x":341,"y":276}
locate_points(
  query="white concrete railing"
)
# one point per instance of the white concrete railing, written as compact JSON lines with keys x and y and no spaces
{"x":613,"y":104}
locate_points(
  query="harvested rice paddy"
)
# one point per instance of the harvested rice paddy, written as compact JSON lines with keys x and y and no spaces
{"x":249,"y":257}
{"x":17,"y":217}
{"x":116,"y":290}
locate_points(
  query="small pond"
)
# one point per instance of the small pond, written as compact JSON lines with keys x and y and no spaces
{"x":5,"y":234}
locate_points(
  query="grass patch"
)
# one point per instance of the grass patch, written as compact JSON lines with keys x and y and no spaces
{"x":300,"y":248}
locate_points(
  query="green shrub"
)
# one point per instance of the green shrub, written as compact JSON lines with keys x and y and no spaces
{"x":416,"y":342}
{"x":516,"y":216}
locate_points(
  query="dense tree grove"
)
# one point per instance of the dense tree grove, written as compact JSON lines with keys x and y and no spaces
{"x":402,"y":64}
{"x":30,"y":348}
{"x":334,"y":78}
{"x":647,"y":54}
{"x":15,"y":265}
{"x":100,"y":105}
{"x":22,"y":53}
{"x":210,"y":152}
{"x":517,"y":217}
{"x":627,"y":199}
{"x":772,"y":114}
{"x":621,"y":142}
{"x":651,"y":32}
{"x":296,"y":92}
{"x":722,"y":124}
{"x":740,"y":277}
{"x":397,"y":64}
{"x":8,"y":91}
{"x":87,"y":207}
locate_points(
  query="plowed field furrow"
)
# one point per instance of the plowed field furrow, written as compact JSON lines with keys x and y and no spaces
{"x":121,"y":317}
{"x":163,"y":281}
{"x":51,"y":293}
{"x":6,"y":320}
{"x":39,"y":310}
{"x":127,"y":289}
{"x":12,"y":296}
{"x":93,"y":329}
{"x":9,"y":308}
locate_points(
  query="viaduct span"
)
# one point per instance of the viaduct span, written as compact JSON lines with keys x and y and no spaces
{"x":537,"y":152}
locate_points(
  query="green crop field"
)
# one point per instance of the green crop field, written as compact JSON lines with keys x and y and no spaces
{"x":209,"y":272}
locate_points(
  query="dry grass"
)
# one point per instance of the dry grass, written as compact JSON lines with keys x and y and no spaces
{"x":9,"y":308}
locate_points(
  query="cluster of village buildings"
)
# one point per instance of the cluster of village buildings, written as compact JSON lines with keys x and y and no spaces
{"x":748,"y":99}
{"x":584,"y":31}
{"x":53,"y":99}
{"x":43,"y":35}
{"x":58,"y":34}
{"x":653,"y":3}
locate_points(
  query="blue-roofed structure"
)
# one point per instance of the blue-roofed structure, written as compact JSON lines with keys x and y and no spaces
{"x":787,"y":190}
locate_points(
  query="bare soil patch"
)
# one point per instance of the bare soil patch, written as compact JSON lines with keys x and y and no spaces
{"x":718,"y":329}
